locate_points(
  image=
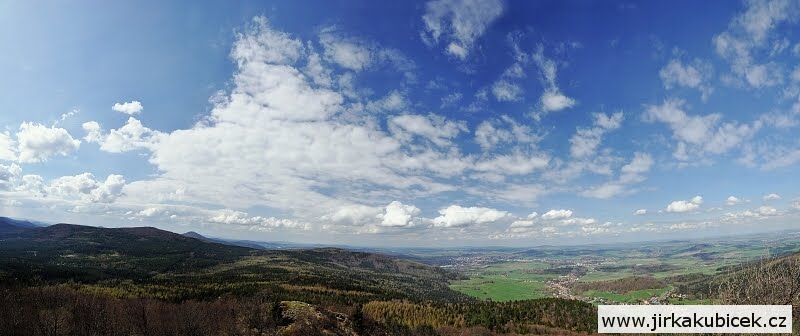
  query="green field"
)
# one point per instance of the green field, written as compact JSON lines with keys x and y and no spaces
{"x":516,"y":280}
{"x":629,"y":297}
{"x":506,"y":281}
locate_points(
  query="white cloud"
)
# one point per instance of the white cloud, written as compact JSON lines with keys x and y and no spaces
{"x":399,"y":215}
{"x":604,"y":191}
{"x":38,"y":143}
{"x":131,"y":107}
{"x":353,"y":215}
{"x":457,"y":216}
{"x":557,"y":214}
{"x":506,"y":91}
{"x":255,"y":222}
{"x":631,"y":173}
{"x":458,"y":23}
{"x":130,"y":137}
{"x":640,"y":164}
{"x":640,"y":212}
{"x":705,"y":133}
{"x":695,"y":75}
{"x":685,"y":206}
{"x":108,"y":191}
{"x":7,"y":147}
{"x":451,"y":99}
{"x":9,"y":176}
{"x":85,"y":187}
{"x":517,"y":163}
{"x":152,"y":212}
{"x":491,"y":133}
{"x":767,"y":211}
{"x":586,"y":140}
{"x":549,"y":222}
{"x":394,"y":101}
{"x":432,"y":127}
{"x":554,"y":100}
{"x":346,"y":52}
{"x":732,"y":200}
{"x":772,"y":197}
{"x":94,"y":133}
{"x":748,"y":37}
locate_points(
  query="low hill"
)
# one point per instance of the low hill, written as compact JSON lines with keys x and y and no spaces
{"x":165,"y":264}
{"x":18,"y":222}
{"x":14,"y":226}
{"x":767,"y":281}
{"x":195,"y":235}
{"x":377,"y":262}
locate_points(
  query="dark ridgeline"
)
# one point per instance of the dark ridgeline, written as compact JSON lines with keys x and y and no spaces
{"x":78,"y":280}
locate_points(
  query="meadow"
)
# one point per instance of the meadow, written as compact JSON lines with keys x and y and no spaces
{"x":506,"y":275}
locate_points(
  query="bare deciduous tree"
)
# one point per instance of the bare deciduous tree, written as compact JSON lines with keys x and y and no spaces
{"x":774,"y":282}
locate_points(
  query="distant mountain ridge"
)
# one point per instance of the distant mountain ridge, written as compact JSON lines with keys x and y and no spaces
{"x":155,"y":257}
{"x":11,"y":226}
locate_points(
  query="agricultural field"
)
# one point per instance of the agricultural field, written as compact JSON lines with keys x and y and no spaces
{"x":507,"y":281}
{"x":518,"y":274}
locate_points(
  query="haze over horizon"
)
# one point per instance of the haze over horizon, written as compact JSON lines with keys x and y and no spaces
{"x":441,"y":123}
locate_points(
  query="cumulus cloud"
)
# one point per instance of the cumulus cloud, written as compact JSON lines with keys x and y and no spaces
{"x":457,"y":216}
{"x":9,"y":176}
{"x":458,"y":23}
{"x":767,"y":211}
{"x":353,"y":215}
{"x":346,"y":52}
{"x":277,"y":140}
{"x":732,"y":200}
{"x":604,"y":191}
{"x":685,"y":206}
{"x":586,"y":140}
{"x":434,"y":128}
{"x":640,"y":164}
{"x":705,"y":134}
{"x":132,"y":136}
{"x":350,"y":53}
{"x":747,"y":39}
{"x":550,"y":222}
{"x":694,"y":75}
{"x":94,"y":133}
{"x":255,"y":222}
{"x":557,"y":214}
{"x":640,"y":212}
{"x":7,"y":147}
{"x":38,"y":143}
{"x":506,"y":91}
{"x":87,"y":188}
{"x":395,"y":214}
{"x":772,"y":197}
{"x":552,"y":100}
{"x":131,"y":107}
{"x":506,"y":130}
{"x":399,"y":215}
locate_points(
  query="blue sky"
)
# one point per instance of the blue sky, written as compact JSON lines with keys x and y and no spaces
{"x":411,"y":123}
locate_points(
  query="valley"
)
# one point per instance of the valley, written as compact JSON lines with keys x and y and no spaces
{"x":515,"y":274}
{"x":334,"y":291}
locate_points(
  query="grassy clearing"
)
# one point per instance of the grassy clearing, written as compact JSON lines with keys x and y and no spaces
{"x":507,"y":281}
{"x":498,"y":289}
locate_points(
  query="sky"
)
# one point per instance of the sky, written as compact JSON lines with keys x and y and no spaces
{"x":406,"y":123}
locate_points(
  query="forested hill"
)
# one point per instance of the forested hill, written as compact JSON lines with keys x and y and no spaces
{"x":149,"y":256}
{"x":54,"y":276}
